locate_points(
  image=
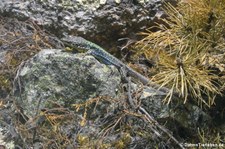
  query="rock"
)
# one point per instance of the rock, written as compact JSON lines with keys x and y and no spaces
{"x":22,"y":35}
{"x":187,"y":116}
{"x":7,"y":145}
{"x":68,"y":78}
{"x":101,"y":21}
{"x":64,"y":78}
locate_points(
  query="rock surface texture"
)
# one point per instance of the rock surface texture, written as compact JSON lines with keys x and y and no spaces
{"x":101,"y":21}
{"x":64,"y":78}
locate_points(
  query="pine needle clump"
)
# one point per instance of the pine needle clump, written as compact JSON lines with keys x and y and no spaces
{"x":186,"y":48}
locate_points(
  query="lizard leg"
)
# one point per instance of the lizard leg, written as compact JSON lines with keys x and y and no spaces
{"x":130,"y":89}
{"x":89,"y":52}
{"x":123,"y":73}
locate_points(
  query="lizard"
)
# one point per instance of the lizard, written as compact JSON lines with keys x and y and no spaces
{"x":81,"y":44}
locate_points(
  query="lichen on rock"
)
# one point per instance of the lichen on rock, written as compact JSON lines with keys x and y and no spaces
{"x":64,"y":78}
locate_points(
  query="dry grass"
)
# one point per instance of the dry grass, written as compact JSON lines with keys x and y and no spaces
{"x":192,"y":34}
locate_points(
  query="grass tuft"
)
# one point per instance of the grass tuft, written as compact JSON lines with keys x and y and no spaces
{"x":186,"y":41}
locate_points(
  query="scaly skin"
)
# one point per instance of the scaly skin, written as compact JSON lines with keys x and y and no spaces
{"x":84,"y":45}
{"x":81,"y":44}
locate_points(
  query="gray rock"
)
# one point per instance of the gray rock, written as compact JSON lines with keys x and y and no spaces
{"x":188,"y":116}
{"x":9,"y":144}
{"x":64,"y":78}
{"x":102,"y":21}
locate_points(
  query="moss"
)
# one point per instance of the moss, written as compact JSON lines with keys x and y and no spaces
{"x":123,"y":141}
{"x":5,"y":82}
